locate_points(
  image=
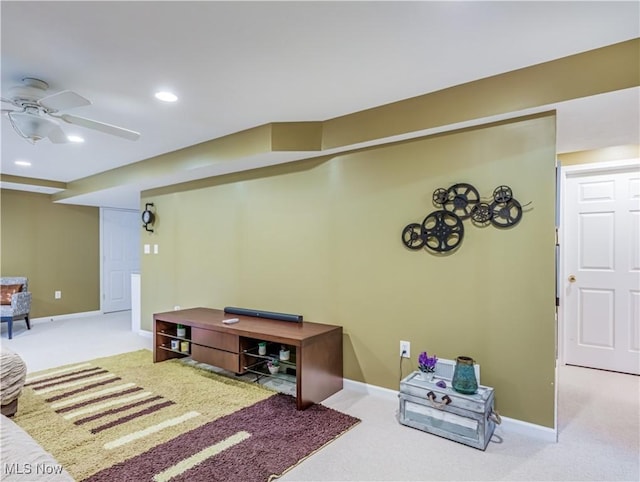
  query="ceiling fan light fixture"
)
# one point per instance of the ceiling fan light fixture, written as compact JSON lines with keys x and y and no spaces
{"x":31,"y":127}
{"x":166,"y":96}
{"x":39,"y":114}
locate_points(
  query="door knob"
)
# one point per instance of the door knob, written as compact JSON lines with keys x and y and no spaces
{"x":572,"y":278}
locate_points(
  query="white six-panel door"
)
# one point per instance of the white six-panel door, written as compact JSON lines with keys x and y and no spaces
{"x":120,"y":257}
{"x":601,"y":284}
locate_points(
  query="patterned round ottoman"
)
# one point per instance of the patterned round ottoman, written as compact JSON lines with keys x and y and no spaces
{"x":13,"y":372}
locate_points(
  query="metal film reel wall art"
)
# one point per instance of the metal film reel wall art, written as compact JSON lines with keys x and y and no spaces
{"x":442,"y":230}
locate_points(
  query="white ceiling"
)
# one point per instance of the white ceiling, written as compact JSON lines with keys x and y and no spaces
{"x":237,"y":65}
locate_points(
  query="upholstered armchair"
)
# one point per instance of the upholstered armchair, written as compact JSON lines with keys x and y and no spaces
{"x":15,"y":301}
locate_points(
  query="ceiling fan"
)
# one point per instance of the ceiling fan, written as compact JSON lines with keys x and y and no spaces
{"x":36,"y":115}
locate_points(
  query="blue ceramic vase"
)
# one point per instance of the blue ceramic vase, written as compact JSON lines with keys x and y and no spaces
{"x":464,"y":376}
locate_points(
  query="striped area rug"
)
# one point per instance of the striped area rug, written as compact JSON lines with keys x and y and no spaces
{"x":126,"y":418}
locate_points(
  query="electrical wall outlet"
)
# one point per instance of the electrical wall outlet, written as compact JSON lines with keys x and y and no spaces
{"x":405,"y":349}
{"x":57,"y":295}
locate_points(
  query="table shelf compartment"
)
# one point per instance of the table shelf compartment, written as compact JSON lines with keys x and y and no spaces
{"x":174,"y":337}
{"x":171,"y":330}
{"x":261,"y":370}
{"x":271,"y":356}
{"x":168,"y":348}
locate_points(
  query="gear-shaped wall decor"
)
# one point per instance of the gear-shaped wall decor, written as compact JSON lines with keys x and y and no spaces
{"x":442,"y":230}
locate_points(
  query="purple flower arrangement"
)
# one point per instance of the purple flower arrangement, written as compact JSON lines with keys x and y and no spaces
{"x":426,"y":363}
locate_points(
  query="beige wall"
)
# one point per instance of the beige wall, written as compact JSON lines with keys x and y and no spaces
{"x":606,"y":154}
{"x":56,"y":246}
{"x":323,"y":239}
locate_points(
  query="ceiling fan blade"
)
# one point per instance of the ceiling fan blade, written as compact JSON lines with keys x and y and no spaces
{"x":101,"y":126}
{"x":57,"y":136}
{"x":8,"y":101}
{"x":63,"y":100}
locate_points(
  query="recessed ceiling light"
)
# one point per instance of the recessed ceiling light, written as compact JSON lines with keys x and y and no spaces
{"x":166,"y":96}
{"x":22,"y":163}
{"x":75,"y":139}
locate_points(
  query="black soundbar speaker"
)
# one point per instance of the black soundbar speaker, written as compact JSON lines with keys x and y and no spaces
{"x":263,"y":314}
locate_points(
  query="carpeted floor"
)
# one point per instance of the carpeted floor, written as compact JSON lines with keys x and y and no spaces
{"x":126,"y":418}
{"x":598,"y":420}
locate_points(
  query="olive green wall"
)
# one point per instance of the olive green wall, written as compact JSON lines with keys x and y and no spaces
{"x":57,"y":246}
{"x":323,"y":238}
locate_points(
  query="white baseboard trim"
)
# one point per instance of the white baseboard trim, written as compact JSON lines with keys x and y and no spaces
{"x":513,"y":425}
{"x":145,"y":333}
{"x":508,"y":425}
{"x":47,"y":319}
{"x":372,"y":390}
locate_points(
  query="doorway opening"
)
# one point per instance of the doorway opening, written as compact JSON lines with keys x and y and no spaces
{"x":120,"y":257}
{"x":589,"y":304}
{"x":599,"y":279}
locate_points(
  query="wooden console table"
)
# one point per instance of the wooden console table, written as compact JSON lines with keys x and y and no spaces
{"x":316,"y":348}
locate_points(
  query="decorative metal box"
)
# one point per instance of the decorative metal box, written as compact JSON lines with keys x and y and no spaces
{"x":468,"y":419}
